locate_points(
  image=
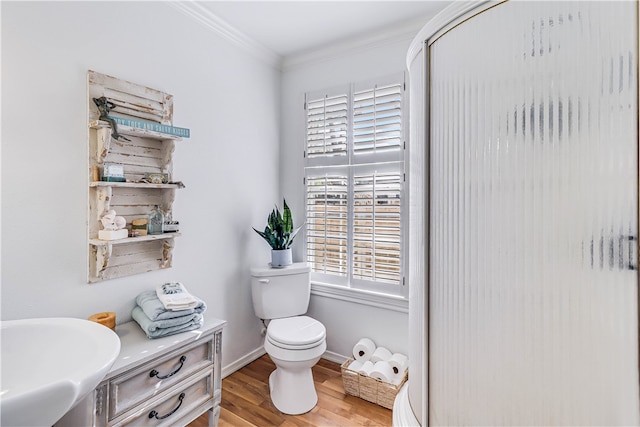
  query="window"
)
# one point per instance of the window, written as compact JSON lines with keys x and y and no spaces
{"x":354,"y":176}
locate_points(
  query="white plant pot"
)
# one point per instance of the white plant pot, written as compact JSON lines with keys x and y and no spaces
{"x":281,"y":257}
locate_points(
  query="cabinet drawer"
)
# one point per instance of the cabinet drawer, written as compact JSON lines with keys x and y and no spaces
{"x":131,"y":388}
{"x":168,"y":409}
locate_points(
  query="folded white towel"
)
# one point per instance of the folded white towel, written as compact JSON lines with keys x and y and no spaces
{"x":155,"y":310}
{"x":174,"y":296}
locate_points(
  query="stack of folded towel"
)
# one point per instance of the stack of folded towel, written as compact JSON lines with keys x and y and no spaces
{"x":168,"y":310}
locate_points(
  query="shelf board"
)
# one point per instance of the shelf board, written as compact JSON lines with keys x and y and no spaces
{"x":147,"y":238}
{"x":132,"y":184}
{"x":128,"y":130}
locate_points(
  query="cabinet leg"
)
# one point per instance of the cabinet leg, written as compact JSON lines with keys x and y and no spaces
{"x":214,"y":415}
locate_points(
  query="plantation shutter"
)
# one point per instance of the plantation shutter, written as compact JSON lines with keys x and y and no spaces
{"x":354,"y":172}
{"x":327,"y":126}
{"x":377,"y":227}
{"x":327,"y":229}
{"x":377,"y":119}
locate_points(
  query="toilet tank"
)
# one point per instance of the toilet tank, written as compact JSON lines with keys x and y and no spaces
{"x":280,"y":292}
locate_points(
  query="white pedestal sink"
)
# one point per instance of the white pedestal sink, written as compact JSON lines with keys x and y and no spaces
{"x":50,"y":364}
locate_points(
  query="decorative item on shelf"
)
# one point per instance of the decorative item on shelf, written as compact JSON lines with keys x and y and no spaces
{"x":170,"y":226}
{"x":156,"y":221}
{"x":139,"y":227}
{"x":279,"y":234}
{"x":104,"y":107}
{"x":95,"y":173}
{"x":113,"y":172}
{"x":156,"y":178}
{"x":113,"y":227}
{"x":152,"y":126}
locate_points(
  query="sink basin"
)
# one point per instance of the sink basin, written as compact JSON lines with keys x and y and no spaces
{"x":50,"y":364}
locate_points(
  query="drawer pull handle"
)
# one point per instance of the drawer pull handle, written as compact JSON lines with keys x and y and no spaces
{"x":154,"y":414}
{"x":155,"y":373}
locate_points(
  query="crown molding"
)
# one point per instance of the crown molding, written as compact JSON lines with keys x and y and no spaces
{"x":402,"y":31}
{"x":211,"y":21}
{"x":405,"y":30}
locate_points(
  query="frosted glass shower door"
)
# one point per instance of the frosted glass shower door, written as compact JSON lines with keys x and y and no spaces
{"x":533,"y":282}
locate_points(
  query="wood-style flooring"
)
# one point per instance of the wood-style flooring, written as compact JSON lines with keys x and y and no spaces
{"x":246,"y":402}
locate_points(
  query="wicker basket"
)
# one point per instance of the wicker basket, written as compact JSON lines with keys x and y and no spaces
{"x":371,"y":389}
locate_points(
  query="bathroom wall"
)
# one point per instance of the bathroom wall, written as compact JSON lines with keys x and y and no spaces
{"x":230,"y":168}
{"x":346,"y":321}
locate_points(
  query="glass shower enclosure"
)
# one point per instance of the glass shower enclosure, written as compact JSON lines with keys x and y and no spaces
{"x":530,"y":187}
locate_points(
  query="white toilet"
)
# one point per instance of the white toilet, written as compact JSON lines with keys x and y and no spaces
{"x":293,"y":341}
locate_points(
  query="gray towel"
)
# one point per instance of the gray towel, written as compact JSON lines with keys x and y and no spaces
{"x":162,"y":328}
{"x":154,"y":309}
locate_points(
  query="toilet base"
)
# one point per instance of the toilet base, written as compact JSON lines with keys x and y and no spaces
{"x":293,"y":391}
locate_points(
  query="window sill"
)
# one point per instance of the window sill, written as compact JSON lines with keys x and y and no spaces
{"x":388,"y":302}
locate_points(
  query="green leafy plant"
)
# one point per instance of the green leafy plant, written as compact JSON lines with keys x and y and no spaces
{"x":279,"y":232}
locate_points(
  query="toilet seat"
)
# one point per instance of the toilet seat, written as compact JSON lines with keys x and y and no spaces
{"x":296,"y":333}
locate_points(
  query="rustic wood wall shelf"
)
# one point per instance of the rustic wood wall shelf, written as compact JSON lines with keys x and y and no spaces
{"x":133,"y":185}
{"x":146,"y":152}
{"x":164,"y":236}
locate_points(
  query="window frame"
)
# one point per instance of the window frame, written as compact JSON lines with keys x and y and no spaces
{"x":387,"y":295}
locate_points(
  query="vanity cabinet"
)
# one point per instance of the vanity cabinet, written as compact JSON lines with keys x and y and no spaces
{"x":167,"y":381}
{"x":139,"y":151}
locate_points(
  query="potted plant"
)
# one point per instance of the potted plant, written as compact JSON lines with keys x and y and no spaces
{"x":279,"y":234}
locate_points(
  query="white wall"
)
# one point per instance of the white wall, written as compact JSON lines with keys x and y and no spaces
{"x":346,"y":322}
{"x":229,"y":168}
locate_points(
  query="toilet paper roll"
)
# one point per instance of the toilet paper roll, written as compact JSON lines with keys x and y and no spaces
{"x":364,"y":349}
{"x":396,"y":380}
{"x":367,"y":368}
{"x":106,"y":318}
{"x":399,"y":363}
{"x":380,"y":354}
{"x":382,"y":371}
{"x":356,"y":365}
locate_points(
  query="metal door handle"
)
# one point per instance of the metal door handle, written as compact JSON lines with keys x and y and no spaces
{"x":154,"y":414}
{"x":633,"y":255}
{"x":155,"y":373}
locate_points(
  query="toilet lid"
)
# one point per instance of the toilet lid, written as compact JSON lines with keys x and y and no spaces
{"x":299,"y":331}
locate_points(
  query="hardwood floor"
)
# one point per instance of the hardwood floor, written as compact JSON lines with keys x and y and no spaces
{"x":246,"y":402}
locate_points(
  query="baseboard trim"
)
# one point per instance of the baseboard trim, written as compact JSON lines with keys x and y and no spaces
{"x":334,"y":357}
{"x":243,"y":361}
{"x":259,"y":352}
